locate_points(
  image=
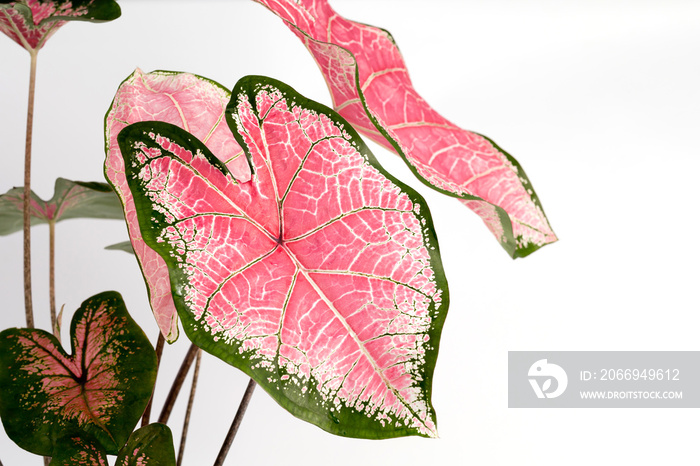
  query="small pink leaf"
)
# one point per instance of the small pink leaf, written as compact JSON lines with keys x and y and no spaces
{"x":321,"y":278}
{"x":101,"y":389}
{"x":193,"y":103}
{"x":30,"y":23}
{"x":370,"y":87}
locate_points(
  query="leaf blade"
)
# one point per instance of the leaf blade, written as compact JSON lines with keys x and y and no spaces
{"x":32,"y":23}
{"x":194,"y":103}
{"x":78,"y":450}
{"x":151,"y":445}
{"x":256,"y":231}
{"x":71,"y":199}
{"x":370,"y":87}
{"x":100,"y":389}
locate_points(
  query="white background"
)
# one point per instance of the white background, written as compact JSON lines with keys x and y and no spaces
{"x":598,"y":100}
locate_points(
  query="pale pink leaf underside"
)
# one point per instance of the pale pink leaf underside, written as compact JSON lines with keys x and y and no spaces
{"x":193,"y":103}
{"x":319,"y":268}
{"x":369,"y":81}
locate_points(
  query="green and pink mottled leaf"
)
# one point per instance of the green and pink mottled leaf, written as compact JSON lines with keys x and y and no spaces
{"x":371,"y":88}
{"x":151,"y":445}
{"x":78,"y":450}
{"x":30,"y":23}
{"x":101,"y":389}
{"x":193,"y":103}
{"x":71,"y":199}
{"x":321,"y":278}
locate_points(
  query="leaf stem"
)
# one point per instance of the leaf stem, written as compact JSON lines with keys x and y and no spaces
{"x":190,"y":402}
{"x":28,"y":308}
{"x":52,"y":273}
{"x":236,"y":423}
{"x":159,"y":352}
{"x":177,"y":385}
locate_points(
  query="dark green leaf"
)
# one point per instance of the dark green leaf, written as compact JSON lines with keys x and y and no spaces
{"x":78,"y":450}
{"x":149,"y":446}
{"x":101,"y":389}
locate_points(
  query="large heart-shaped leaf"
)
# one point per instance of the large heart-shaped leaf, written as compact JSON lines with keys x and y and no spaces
{"x":151,"y":445}
{"x":71,"y":199}
{"x":195,"y":104}
{"x":30,"y":23}
{"x":321,"y":278}
{"x":78,"y":450}
{"x":370,"y":87}
{"x":101,"y":389}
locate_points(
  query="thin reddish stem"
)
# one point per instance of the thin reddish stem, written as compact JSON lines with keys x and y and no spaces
{"x":52,"y":273}
{"x":236,"y":423}
{"x":159,"y":352}
{"x":177,"y":385}
{"x":28,"y":308}
{"x":190,"y":402}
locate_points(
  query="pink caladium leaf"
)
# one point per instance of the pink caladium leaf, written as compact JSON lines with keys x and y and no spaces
{"x":151,"y":445}
{"x":30,"y":23}
{"x":321,"y":278}
{"x":100,"y":390}
{"x":71,"y":199}
{"x":370,"y":87}
{"x":193,"y":103}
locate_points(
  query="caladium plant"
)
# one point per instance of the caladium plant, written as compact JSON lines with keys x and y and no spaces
{"x":98,"y":392}
{"x":262,"y":219}
{"x":31,"y":23}
{"x":71,"y":199}
{"x":320,"y":277}
{"x":371,"y":88}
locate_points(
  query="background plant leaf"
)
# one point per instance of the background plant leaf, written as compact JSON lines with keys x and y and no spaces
{"x":151,"y":445}
{"x":30,"y":23}
{"x":123,"y":246}
{"x":371,"y":88}
{"x":71,"y":199}
{"x":320,"y":278}
{"x":195,"y":104}
{"x":78,"y":450}
{"x":102,"y":388}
